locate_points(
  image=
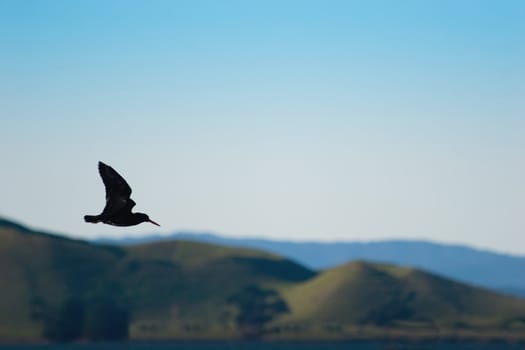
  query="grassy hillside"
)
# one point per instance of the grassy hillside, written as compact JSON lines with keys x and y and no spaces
{"x":169,"y":285}
{"x":365,"y":293}
{"x":175,"y":286}
{"x":178,"y":289}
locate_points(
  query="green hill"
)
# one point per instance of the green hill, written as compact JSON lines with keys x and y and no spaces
{"x":385,"y":295}
{"x":168,"y":286}
{"x":39,"y":270}
{"x":179,"y":289}
{"x":180,"y":285}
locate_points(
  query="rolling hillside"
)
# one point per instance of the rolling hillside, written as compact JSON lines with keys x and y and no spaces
{"x":179,"y":289}
{"x":369,"y":293}
{"x":163,"y":283}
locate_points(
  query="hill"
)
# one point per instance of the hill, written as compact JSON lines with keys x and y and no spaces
{"x":505,"y":273}
{"x":170,"y":284}
{"x":390,"y":295}
{"x":180,"y":289}
{"x":39,"y":270}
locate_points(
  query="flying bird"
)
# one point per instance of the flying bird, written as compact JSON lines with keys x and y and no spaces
{"x":117,"y":211}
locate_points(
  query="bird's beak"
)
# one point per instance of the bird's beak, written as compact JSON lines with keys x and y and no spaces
{"x":153,"y":222}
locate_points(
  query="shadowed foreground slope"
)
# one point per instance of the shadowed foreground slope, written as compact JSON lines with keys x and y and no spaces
{"x":38,"y":271}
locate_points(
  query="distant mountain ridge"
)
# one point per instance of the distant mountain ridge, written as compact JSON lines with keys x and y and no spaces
{"x":478,"y":267}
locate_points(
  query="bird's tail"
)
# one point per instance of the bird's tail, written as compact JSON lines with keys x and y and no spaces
{"x":91,"y":218}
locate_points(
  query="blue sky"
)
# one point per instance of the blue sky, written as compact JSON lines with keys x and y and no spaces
{"x":318,"y":120}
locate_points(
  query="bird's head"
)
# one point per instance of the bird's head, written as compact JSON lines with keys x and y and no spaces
{"x":145,"y":218}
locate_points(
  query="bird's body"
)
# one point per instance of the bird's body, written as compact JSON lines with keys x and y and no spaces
{"x":117,"y":211}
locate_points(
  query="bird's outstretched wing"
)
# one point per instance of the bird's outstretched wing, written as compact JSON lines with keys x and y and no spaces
{"x":117,"y":190}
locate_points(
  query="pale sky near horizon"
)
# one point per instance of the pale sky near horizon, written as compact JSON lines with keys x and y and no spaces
{"x":304,"y":120}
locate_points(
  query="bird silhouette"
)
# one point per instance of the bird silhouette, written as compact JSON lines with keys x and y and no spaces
{"x":117,"y":211}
